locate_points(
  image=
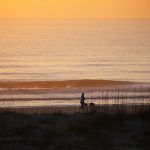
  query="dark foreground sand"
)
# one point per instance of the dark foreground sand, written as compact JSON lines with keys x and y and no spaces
{"x":78,"y":131}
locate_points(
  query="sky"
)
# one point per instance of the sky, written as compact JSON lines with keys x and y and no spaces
{"x":74,"y":8}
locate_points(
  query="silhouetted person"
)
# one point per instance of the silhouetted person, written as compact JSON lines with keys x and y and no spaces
{"x":82,"y":101}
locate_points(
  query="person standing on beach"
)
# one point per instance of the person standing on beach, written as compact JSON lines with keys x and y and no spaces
{"x":82,"y":101}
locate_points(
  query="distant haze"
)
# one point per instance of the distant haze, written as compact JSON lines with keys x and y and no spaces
{"x":74,"y":8}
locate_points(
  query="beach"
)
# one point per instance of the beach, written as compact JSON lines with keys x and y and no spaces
{"x":64,"y":96}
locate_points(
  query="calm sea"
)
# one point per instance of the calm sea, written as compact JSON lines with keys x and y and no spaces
{"x":75,"y":49}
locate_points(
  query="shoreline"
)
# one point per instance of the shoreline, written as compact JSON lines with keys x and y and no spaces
{"x":73,"y":109}
{"x":37,"y":93}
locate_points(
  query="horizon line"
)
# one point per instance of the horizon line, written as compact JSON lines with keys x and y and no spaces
{"x":86,"y":18}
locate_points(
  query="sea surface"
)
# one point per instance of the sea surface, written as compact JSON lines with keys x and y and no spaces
{"x":33,"y":50}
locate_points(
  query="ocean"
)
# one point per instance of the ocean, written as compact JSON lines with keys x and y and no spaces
{"x":41,"y":50}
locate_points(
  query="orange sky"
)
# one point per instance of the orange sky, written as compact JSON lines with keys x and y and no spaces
{"x":74,"y":8}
